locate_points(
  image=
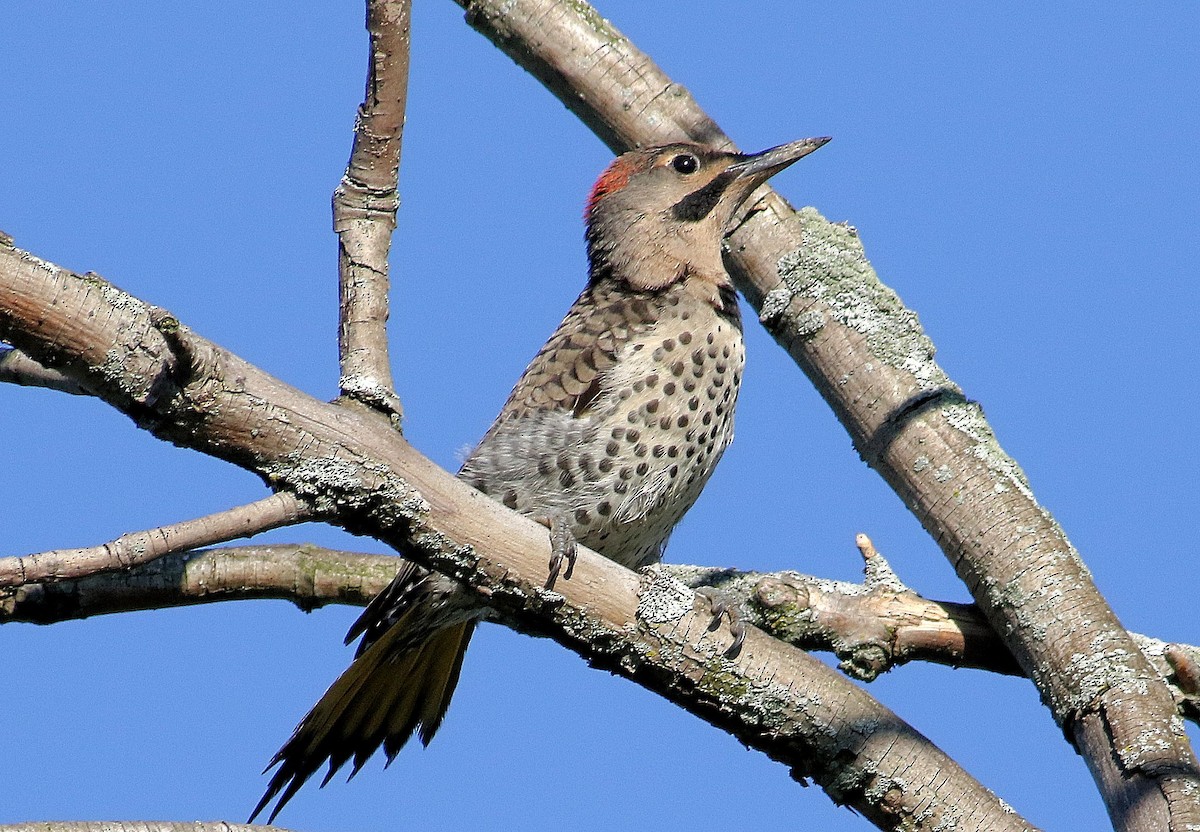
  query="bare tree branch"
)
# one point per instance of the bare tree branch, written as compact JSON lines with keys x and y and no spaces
{"x":137,"y":826}
{"x":18,"y":368}
{"x":361,"y":474}
{"x":867,"y":355}
{"x":141,"y":547}
{"x":364,"y":211}
{"x":308,"y":576}
{"x":871,"y":628}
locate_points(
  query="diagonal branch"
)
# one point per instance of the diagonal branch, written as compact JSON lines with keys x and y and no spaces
{"x":364,"y":212}
{"x":361,"y":474}
{"x":137,"y":548}
{"x":868,"y":356}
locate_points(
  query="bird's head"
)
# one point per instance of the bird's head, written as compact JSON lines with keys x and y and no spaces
{"x":658,"y":214}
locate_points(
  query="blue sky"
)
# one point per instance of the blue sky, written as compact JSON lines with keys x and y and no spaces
{"x":1025,"y":177}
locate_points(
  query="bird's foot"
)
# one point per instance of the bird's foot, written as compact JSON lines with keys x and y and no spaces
{"x":722,"y":607}
{"x":563,"y":547}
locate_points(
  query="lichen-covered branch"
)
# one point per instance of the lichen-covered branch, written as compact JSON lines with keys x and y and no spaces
{"x":868,"y":356}
{"x":364,"y":211}
{"x":360,"y":473}
{"x":136,"y":548}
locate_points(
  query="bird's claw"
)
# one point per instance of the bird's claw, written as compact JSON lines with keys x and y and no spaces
{"x":721,"y":607}
{"x":563,"y":548}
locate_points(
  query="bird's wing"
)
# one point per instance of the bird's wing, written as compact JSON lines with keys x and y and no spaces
{"x":567,"y":373}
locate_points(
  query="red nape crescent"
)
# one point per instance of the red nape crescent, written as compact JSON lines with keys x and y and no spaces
{"x":615,"y":177}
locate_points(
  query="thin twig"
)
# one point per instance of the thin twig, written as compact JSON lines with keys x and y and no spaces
{"x":364,"y":212}
{"x":308,"y":576}
{"x":137,"y":826}
{"x":136,"y":548}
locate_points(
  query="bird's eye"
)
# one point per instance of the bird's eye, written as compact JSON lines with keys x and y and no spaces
{"x":685,"y":163}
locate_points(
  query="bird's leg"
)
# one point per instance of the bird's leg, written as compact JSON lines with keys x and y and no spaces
{"x":721,"y":607}
{"x":563,"y":546}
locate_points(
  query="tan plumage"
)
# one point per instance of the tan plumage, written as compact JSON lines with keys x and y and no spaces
{"x":624,"y":455}
{"x":609,"y":435}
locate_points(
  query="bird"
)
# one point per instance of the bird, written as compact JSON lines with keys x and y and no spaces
{"x":607,"y":438}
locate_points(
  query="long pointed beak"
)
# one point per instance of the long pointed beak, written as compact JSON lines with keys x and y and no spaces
{"x":732,"y":186}
{"x":764,"y":165}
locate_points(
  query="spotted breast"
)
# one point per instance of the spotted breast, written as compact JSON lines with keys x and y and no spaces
{"x":620,"y":418}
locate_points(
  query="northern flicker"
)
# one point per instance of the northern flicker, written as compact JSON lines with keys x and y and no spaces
{"x":607,"y":439}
